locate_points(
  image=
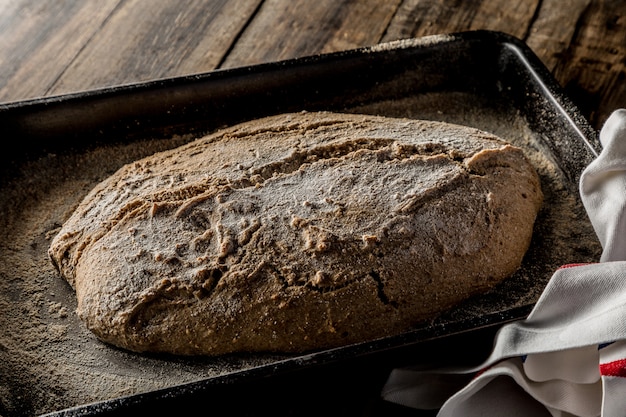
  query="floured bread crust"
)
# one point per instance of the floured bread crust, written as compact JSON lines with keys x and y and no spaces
{"x":297,"y":232}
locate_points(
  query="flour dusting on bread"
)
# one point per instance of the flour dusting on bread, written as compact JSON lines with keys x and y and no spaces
{"x":297,"y":232}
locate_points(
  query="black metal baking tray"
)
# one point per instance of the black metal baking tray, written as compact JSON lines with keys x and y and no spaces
{"x":484,"y":79}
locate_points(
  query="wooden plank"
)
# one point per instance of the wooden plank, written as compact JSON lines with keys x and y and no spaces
{"x":288,"y":29}
{"x":161,"y":38}
{"x":552,"y":31}
{"x":591,"y":65}
{"x":39,"y":39}
{"x":417,"y":18}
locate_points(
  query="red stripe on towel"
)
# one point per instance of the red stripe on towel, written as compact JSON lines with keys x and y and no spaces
{"x":573,"y":265}
{"x":615,"y":368}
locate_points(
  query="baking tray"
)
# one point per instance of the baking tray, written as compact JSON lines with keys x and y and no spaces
{"x":483,"y":79}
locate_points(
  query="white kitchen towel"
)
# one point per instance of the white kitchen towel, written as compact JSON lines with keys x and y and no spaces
{"x":568,"y":357}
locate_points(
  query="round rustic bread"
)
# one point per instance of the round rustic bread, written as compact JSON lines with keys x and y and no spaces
{"x":296,"y":232}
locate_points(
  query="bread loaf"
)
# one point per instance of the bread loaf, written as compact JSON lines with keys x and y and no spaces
{"x":297,"y":232}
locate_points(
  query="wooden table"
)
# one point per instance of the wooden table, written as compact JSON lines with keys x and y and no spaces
{"x":50,"y":47}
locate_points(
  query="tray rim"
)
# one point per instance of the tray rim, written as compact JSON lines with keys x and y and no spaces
{"x":526,"y":56}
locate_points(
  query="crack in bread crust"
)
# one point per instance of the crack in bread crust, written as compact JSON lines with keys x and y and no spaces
{"x":183,"y":199}
{"x":296,"y":232}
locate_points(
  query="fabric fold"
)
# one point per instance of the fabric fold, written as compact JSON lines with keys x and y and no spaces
{"x":568,"y":357}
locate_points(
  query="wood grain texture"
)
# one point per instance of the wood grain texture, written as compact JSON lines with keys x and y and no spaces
{"x":417,"y":18}
{"x":53,"y":47}
{"x":593,"y":66}
{"x":553,"y":29}
{"x":165,"y":39}
{"x":289,"y":29}
{"x":40,"y":39}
